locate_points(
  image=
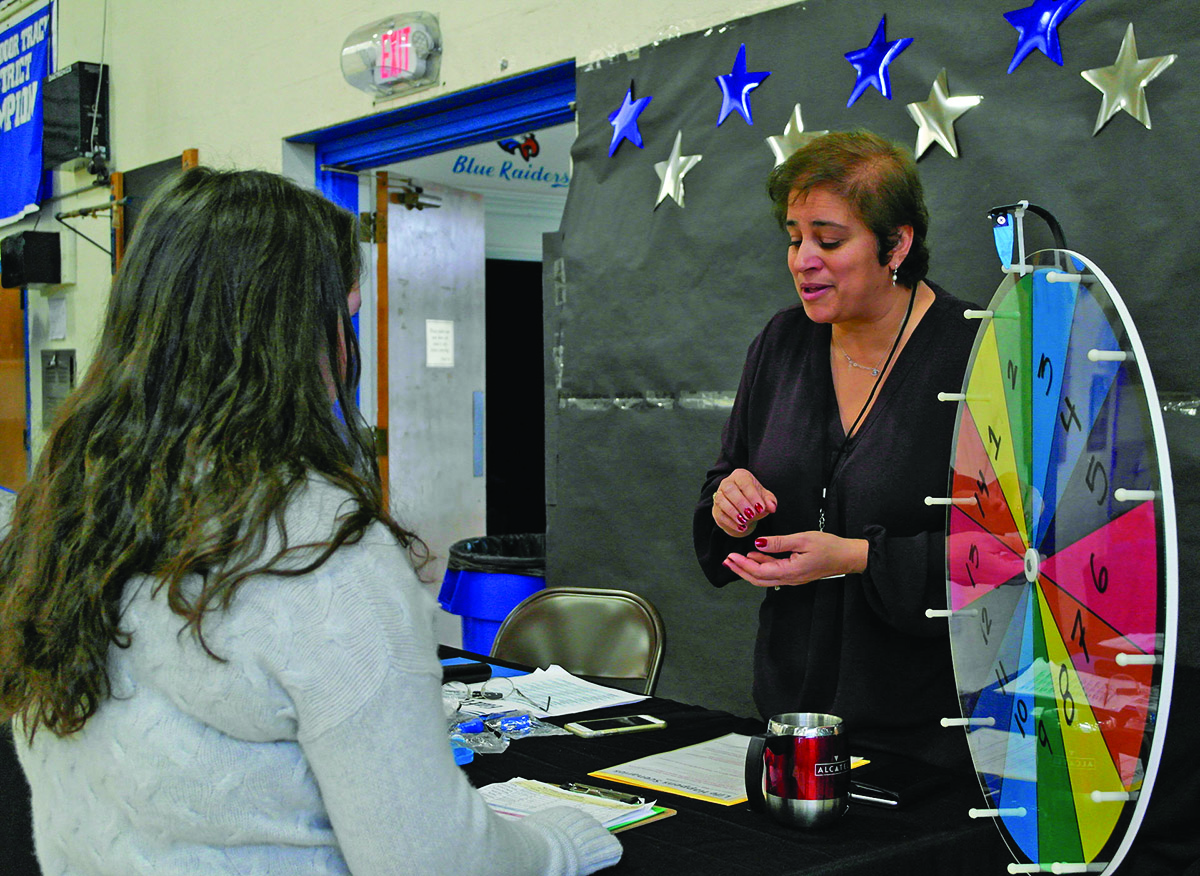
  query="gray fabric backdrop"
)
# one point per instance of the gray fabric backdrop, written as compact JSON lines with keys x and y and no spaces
{"x":647,"y":308}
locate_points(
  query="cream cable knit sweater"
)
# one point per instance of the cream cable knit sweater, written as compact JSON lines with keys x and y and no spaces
{"x":317,"y":747}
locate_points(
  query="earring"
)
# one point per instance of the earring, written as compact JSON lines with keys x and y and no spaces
{"x":895,"y":274}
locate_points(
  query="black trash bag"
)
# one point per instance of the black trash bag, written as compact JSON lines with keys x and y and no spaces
{"x":521,"y":554}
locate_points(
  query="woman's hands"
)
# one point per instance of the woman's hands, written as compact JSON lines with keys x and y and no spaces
{"x":740,"y":502}
{"x":810,"y":555}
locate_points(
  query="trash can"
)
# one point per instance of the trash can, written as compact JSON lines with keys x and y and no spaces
{"x":485,"y":579}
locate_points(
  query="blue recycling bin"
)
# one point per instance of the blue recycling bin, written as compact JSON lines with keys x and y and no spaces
{"x":485,"y":579}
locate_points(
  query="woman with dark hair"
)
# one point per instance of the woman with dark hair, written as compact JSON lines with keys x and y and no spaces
{"x":213,"y":645}
{"x":835,"y":439}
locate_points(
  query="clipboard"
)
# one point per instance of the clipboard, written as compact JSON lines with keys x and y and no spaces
{"x":660,"y":812}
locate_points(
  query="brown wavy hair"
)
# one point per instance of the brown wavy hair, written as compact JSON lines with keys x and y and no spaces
{"x":206,"y":407}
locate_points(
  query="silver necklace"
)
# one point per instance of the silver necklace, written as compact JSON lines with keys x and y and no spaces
{"x":874,"y":370}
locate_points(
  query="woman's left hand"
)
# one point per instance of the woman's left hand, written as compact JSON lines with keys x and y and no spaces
{"x":810,"y":555}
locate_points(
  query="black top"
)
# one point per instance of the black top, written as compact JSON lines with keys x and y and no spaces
{"x":860,"y":646}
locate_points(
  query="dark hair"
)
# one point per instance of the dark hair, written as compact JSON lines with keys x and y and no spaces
{"x":206,"y":407}
{"x":877,"y":178}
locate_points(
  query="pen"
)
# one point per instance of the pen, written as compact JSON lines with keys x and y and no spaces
{"x":865,"y":793}
{"x":878,"y":801}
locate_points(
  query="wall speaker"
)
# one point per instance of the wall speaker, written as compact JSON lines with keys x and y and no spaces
{"x":75,"y":120}
{"x":30,"y":257}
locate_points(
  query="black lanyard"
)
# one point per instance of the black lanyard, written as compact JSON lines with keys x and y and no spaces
{"x":842,"y":453}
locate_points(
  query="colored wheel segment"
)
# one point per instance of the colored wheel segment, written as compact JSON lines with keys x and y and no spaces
{"x":1061,"y":567}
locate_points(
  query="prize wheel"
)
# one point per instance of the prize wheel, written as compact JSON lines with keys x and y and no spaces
{"x":1061,"y":567}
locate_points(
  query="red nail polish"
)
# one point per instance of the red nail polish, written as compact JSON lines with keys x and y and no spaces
{"x":741,"y":519}
{"x":741,"y":528}
{"x":749,"y":513}
{"x":758,"y":507}
{"x":760,"y":543}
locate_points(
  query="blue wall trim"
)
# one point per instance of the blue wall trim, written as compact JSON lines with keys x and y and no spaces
{"x":341,"y":188}
{"x":526,"y":102}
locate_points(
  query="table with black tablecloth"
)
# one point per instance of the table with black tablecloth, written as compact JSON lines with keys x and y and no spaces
{"x":929,"y":835}
{"x":933,"y":835}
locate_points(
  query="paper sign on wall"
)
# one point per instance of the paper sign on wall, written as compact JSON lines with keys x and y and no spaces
{"x":439,"y":343}
{"x":57,"y":317}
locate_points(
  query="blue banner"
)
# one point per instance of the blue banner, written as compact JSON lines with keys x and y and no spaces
{"x":24,"y":65}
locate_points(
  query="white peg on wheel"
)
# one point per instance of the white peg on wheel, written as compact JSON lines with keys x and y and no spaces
{"x":1123,"y":495}
{"x":1125,"y":659}
{"x":1065,"y":867}
{"x":1113,"y":796}
{"x":950,"y":500}
{"x":948,"y":612}
{"x":1011,"y":812}
{"x":952,"y":396}
{"x":978,"y":314}
{"x":968,"y":722}
{"x":1109,"y":356}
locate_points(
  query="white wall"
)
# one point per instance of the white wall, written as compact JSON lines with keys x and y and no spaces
{"x":232,"y":78}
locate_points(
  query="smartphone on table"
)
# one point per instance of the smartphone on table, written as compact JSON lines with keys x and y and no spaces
{"x":609,"y":726}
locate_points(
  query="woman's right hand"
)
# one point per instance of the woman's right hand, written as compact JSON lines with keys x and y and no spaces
{"x":740,"y":502}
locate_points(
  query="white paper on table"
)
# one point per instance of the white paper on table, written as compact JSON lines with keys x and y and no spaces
{"x":518,"y":797}
{"x":712,"y":771}
{"x":567,"y":694}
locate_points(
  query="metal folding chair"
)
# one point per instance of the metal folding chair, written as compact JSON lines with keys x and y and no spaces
{"x":602,"y":635}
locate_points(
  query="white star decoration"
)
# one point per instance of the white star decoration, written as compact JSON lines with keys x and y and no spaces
{"x":1122,"y":84}
{"x":935,"y":116}
{"x":794,"y":136}
{"x":672,"y":171}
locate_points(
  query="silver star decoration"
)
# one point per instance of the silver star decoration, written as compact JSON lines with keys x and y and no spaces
{"x":1122,"y":84}
{"x":672,"y":171}
{"x":794,"y":136}
{"x":935,"y":116}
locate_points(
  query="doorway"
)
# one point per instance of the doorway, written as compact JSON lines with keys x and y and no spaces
{"x":465,"y":230}
{"x":486,"y":116}
{"x":522,"y":181}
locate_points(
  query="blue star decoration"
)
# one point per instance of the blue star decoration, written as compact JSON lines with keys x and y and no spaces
{"x":872,"y":62}
{"x":736,"y":86}
{"x":1037,"y":26}
{"x":624,"y":121}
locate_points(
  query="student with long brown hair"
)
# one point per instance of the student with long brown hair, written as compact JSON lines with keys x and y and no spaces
{"x":213,"y":645}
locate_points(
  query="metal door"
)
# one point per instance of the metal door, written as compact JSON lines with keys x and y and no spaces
{"x":435,"y":343}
